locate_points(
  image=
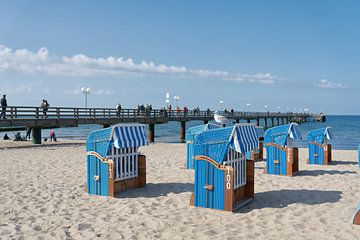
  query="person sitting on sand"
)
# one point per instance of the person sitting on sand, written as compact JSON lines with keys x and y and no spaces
{"x":6,"y":137}
{"x":18,"y":137}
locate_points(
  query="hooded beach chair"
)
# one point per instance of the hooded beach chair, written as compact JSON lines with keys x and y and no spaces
{"x":191,"y":134}
{"x":114,"y":163}
{"x":224,"y":179}
{"x":281,"y":157}
{"x":319,"y":149}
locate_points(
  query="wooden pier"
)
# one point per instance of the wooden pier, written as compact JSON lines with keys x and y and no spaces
{"x":23,"y":117}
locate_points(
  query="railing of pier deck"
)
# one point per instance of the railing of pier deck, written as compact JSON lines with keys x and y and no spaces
{"x":26,"y":112}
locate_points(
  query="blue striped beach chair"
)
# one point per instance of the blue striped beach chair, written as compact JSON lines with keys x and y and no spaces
{"x":114,"y":163}
{"x":281,"y":157}
{"x":319,"y":149}
{"x":224,"y":179}
{"x":258,"y":153}
{"x":191,"y":134}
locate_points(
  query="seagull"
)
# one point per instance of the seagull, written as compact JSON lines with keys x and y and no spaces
{"x":220,"y":118}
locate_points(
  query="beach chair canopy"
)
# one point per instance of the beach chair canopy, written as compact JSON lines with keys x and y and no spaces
{"x":260,"y":131}
{"x":319,"y":135}
{"x":193,"y":132}
{"x":215,"y":143}
{"x":280,"y":134}
{"x":118,"y":136}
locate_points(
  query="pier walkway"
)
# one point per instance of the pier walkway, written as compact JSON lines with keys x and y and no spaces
{"x":21,"y":117}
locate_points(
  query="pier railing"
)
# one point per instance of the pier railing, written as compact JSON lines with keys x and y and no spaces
{"x":26,"y":112}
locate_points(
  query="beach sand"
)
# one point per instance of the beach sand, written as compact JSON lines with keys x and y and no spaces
{"x":43,"y":197}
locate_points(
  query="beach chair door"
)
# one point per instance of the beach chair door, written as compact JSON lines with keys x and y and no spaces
{"x":316,"y":154}
{"x":276,"y":160}
{"x":97,"y":177}
{"x":203,"y":183}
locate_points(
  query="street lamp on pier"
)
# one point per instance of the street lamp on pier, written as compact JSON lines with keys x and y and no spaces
{"x":86,"y":91}
{"x":248,"y":106}
{"x":167,"y":96}
{"x":176,"y":98}
{"x":222,"y":105}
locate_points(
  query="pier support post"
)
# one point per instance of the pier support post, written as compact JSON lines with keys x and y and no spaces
{"x":182,"y":131}
{"x":265,"y":123}
{"x":258,"y":122}
{"x":237,"y":120}
{"x":278,"y":121}
{"x":282,"y":121}
{"x":287,"y":120}
{"x":151,"y":132}
{"x":248,"y":120}
{"x":36,"y":135}
{"x":272,"y":122}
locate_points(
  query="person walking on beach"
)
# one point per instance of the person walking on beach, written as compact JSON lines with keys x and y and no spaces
{"x":45,"y":107}
{"x":52,"y":136}
{"x":3,"y":106}
{"x":28,"y":132}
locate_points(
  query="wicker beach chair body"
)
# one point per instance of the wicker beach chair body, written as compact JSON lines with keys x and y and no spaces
{"x":224,"y":179}
{"x":319,"y":149}
{"x":114,"y":163}
{"x":190,"y":137}
{"x":281,"y":157}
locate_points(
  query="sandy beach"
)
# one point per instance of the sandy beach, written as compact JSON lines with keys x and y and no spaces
{"x":43,"y":197}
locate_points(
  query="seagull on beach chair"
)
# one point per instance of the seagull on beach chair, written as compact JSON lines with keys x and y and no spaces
{"x":220,"y":118}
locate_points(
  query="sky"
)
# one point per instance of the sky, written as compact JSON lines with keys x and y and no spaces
{"x":286,"y":55}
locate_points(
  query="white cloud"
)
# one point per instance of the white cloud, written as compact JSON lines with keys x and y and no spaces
{"x":31,"y":87}
{"x":106,"y":92}
{"x":324,"y":83}
{"x":42,"y":62}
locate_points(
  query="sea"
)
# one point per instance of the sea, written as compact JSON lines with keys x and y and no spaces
{"x":345,"y":131}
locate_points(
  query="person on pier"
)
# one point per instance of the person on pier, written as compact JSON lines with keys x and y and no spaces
{"x":45,"y":107}
{"x":118,"y":110}
{"x":3,"y":106}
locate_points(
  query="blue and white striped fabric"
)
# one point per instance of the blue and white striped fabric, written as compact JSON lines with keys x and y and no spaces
{"x":128,"y":135}
{"x":244,"y":138}
{"x":215,"y":143}
{"x":280,"y":134}
{"x":260,"y":132}
{"x":319,"y":135}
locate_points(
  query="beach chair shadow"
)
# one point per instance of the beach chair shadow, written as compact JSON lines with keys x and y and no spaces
{"x":283,"y":198}
{"x":344,"y":163}
{"x":323,"y":172}
{"x":157,"y":190}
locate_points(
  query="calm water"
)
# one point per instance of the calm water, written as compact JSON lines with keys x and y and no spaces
{"x":345,"y":129}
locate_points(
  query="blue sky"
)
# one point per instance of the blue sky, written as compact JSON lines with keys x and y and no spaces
{"x":291,"y":54}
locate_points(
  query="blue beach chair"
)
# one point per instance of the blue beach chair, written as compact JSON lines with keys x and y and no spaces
{"x":281,"y":157}
{"x":191,"y":134}
{"x":319,"y":149}
{"x":114,"y":163}
{"x":224,"y":179}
